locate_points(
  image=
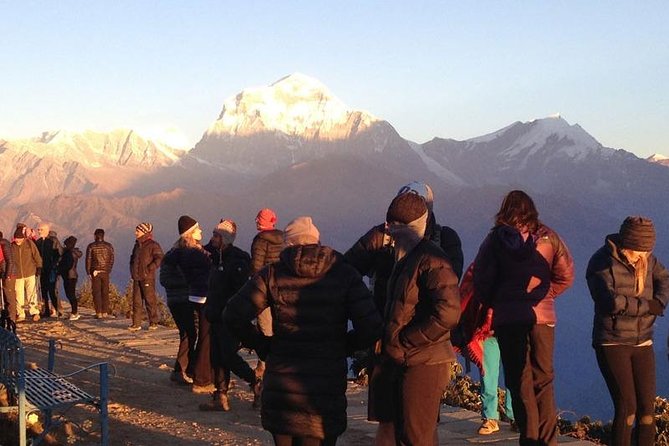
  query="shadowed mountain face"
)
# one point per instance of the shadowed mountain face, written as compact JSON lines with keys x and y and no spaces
{"x":294,"y":147}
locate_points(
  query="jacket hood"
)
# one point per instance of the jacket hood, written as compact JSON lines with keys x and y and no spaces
{"x":309,"y":260}
{"x":274,"y":236}
{"x":510,"y":240}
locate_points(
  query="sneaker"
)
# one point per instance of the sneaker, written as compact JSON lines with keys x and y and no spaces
{"x":36,"y":317}
{"x":488,"y":427}
{"x":153,"y":327}
{"x":135,"y":327}
{"x":108,"y":316}
{"x":74,"y":317}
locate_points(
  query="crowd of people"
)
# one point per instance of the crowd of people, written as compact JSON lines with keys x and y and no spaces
{"x":304,"y":309}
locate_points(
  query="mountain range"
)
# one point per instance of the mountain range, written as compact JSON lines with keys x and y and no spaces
{"x":294,"y":147}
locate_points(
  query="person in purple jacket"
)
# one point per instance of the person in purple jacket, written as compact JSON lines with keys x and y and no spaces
{"x":521,"y":267}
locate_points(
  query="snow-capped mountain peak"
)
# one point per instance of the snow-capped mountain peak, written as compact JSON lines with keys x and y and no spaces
{"x":655,"y":157}
{"x":553,"y":133}
{"x":294,"y":105}
{"x":658,"y":158}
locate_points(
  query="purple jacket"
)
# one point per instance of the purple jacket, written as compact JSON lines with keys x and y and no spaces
{"x":520,"y":279}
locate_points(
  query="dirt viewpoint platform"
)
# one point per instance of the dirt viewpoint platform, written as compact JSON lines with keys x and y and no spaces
{"x":146,"y":409}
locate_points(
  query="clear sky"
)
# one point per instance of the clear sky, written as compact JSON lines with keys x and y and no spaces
{"x":448,"y":69}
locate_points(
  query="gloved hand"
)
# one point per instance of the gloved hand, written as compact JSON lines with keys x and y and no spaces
{"x":655,"y":307}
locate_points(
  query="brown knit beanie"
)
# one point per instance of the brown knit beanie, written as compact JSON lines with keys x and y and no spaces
{"x":637,"y":233}
{"x":406,"y":208}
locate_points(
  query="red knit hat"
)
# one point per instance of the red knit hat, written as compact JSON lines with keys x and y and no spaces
{"x":266,"y":219}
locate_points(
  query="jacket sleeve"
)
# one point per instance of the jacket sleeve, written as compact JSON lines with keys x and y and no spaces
{"x":452,"y":246}
{"x":601,"y":284}
{"x":660,"y":283}
{"x":258,"y":254}
{"x":88,"y":260}
{"x":562,"y":270}
{"x":485,"y":272}
{"x":111,"y":256}
{"x":245,"y":306}
{"x":361,"y":311}
{"x":438,"y":284}
{"x":363,"y":253}
{"x":156,"y":257}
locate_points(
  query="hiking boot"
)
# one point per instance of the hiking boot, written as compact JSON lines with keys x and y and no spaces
{"x":153,"y":327}
{"x":219,"y":403}
{"x":202,"y":389}
{"x":134,"y":327}
{"x":256,"y":388}
{"x":488,"y":427}
{"x":75,"y":317}
{"x":108,"y":316}
{"x":98,"y":315}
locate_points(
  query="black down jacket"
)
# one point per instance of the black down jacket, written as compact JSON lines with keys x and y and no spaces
{"x":265,"y":249}
{"x":312,"y":294}
{"x":620,"y":316}
{"x":423,"y":307}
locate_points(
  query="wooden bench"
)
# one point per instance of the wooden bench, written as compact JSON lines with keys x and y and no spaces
{"x":41,"y":390}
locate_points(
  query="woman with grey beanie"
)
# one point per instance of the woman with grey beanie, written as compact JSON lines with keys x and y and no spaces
{"x":630,"y":288}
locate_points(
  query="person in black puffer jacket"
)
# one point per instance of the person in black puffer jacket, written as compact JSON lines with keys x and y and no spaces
{"x":144,"y":262}
{"x":265,"y":250}
{"x":313,"y":293}
{"x":99,"y":264}
{"x":195,"y":264}
{"x":184,"y":315}
{"x":630,"y":288}
{"x":230,"y":270}
{"x":268,"y":242}
{"x":423,"y":307}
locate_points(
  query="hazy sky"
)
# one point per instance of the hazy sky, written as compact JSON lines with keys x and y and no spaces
{"x":449,"y":69}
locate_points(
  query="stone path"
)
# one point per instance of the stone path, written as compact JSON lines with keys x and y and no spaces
{"x":457,"y":426}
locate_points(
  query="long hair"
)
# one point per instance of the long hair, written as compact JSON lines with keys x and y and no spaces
{"x":187,"y":241}
{"x":518,"y":210}
{"x":640,"y":268}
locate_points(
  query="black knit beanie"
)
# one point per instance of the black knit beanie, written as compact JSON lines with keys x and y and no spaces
{"x":406,"y":208}
{"x":70,"y":242}
{"x":638,"y":234}
{"x":19,"y":233}
{"x":186,"y":223}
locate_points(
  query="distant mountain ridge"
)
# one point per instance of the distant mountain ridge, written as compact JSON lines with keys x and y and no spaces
{"x":295,"y":147}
